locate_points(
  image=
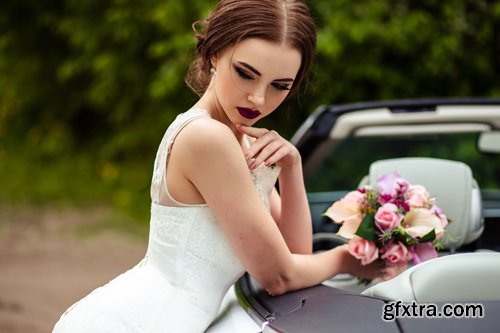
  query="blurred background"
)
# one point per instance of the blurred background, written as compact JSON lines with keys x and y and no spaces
{"x":88,"y":87}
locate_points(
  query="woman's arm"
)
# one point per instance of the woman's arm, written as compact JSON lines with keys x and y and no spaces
{"x":290,"y":208}
{"x":211,"y":159}
{"x":291,"y":211}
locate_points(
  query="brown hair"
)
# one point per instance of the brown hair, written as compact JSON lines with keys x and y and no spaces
{"x":279,"y":21}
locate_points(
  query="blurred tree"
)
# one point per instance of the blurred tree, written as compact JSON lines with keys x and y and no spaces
{"x":374,"y":50}
{"x":91,"y":72}
{"x":104,"y":78}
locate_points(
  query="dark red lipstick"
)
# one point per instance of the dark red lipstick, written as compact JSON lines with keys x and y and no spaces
{"x":248,"y":113}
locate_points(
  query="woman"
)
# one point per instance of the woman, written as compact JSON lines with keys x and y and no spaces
{"x":215,"y":212}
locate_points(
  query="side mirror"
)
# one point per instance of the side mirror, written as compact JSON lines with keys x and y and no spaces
{"x":489,"y":142}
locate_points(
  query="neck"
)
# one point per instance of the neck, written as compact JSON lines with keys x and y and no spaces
{"x":209,"y":102}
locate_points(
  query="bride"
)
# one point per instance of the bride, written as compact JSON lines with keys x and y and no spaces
{"x":215,"y":212}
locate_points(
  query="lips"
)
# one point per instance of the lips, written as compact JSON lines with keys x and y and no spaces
{"x":248,"y":113}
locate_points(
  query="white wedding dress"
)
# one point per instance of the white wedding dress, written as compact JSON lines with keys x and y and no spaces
{"x":188,"y":268}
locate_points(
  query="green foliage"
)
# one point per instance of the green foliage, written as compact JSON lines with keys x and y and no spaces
{"x":98,"y":81}
{"x":367,"y":229}
{"x":375,"y":50}
{"x":107,"y":73}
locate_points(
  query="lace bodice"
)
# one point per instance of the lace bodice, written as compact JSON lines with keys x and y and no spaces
{"x":186,"y":243}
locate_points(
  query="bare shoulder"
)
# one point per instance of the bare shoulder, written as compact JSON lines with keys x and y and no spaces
{"x":206,"y":138}
{"x":209,"y":156}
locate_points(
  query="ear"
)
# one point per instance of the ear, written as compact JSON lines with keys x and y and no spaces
{"x":213,"y":61}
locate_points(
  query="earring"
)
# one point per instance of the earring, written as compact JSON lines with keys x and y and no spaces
{"x":213,"y":71}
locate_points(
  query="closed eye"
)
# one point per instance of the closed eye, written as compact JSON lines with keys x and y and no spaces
{"x":242,"y":73}
{"x":280,"y":86}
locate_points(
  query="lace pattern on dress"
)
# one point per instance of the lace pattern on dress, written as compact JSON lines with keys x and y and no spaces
{"x":264,"y":179}
{"x":165,"y":146}
{"x":205,"y":262}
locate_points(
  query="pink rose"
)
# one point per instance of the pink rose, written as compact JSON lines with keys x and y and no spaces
{"x":417,"y":196}
{"x":387,"y":217}
{"x":396,"y":254}
{"x":363,"y":249}
{"x":347,"y":211}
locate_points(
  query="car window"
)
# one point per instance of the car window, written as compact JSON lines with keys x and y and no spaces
{"x":349,"y":161}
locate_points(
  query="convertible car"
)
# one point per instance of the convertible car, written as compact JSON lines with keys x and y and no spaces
{"x":452,"y":147}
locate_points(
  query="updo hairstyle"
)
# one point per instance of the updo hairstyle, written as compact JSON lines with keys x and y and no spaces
{"x":278,"y":21}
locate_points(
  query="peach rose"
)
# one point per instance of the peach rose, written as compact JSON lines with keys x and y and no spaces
{"x":363,"y":249}
{"x":347,"y":211}
{"x":420,"y":221}
{"x":387,"y":217}
{"x":439,"y":213}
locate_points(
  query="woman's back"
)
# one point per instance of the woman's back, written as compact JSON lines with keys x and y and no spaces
{"x":188,"y":268}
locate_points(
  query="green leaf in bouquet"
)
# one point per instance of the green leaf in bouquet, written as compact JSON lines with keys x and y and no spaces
{"x":401,"y":235}
{"x":388,"y":235}
{"x":367,"y":229}
{"x":438,"y":244}
{"x":428,"y":237}
{"x":371,"y":197}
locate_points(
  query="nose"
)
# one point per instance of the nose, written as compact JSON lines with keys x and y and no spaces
{"x":257,"y":98}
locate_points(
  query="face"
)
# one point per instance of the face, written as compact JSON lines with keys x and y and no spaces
{"x":253,"y":78}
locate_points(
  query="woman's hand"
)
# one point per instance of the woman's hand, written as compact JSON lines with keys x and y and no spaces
{"x":354,"y":267}
{"x":269,"y":148}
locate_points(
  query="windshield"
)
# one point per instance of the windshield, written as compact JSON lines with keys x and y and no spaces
{"x":349,"y":161}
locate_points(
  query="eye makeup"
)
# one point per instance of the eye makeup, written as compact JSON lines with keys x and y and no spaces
{"x":243,"y":74}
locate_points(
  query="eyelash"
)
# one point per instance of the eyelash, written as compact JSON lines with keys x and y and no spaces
{"x":245,"y":76}
{"x":280,"y":86}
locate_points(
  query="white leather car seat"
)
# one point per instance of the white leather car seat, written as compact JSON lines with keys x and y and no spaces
{"x":464,"y":277}
{"x":453,"y":186}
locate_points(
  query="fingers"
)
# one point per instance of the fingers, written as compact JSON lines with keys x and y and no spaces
{"x":269,"y":156}
{"x":383,"y":271}
{"x":380,"y":264}
{"x":268,"y":148}
{"x":254,"y":132}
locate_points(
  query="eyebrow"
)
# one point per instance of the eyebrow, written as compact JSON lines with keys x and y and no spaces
{"x":256,"y":72}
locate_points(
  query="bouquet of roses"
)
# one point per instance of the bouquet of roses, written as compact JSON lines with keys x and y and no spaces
{"x":393,"y":221}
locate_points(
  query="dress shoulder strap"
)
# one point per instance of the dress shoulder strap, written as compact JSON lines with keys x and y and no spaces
{"x":160,"y":165}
